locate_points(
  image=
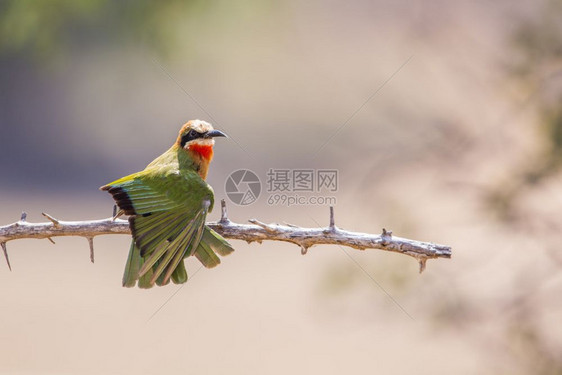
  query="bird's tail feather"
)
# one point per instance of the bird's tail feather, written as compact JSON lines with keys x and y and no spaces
{"x":216,"y":242}
{"x":131,"y":275}
{"x":132,"y":267}
{"x":212,"y":243}
{"x":179,"y":276}
{"x":209,"y":246}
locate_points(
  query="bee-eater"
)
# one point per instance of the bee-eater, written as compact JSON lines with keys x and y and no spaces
{"x":168,"y":202}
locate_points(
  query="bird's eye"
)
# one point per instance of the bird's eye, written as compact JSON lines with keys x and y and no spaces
{"x":189,"y":136}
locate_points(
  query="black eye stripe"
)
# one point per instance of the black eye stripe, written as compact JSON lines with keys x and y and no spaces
{"x":189,"y":136}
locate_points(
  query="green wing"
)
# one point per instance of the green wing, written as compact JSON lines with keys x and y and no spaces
{"x":168,"y":210}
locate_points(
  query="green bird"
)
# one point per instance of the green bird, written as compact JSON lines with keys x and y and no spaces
{"x":168,"y":202}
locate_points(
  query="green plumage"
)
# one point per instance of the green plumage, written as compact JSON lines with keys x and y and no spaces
{"x":168,"y":203}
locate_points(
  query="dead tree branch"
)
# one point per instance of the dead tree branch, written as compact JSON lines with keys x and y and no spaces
{"x":256,"y":231}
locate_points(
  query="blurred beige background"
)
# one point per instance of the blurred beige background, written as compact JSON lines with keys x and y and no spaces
{"x":460,"y":144}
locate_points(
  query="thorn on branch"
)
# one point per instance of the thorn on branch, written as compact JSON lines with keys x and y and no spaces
{"x":422,"y":262}
{"x":263,"y":225}
{"x":23,"y":217}
{"x":3,"y":244}
{"x":304,"y":249}
{"x":55,"y":222}
{"x":332,"y":220}
{"x":224,"y":217}
{"x":386,"y":236}
{"x":50,"y":239}
{"x":91,"y":243}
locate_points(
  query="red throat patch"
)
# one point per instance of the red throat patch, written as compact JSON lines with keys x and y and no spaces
{"x":205,"y":151}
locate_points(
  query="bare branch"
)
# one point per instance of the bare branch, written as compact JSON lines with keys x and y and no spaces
{"x":256,"y":231}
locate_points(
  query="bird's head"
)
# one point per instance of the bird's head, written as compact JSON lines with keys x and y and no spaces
{"x":197,"y":138}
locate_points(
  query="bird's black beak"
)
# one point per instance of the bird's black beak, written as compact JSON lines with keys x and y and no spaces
{"x":214,"y":133}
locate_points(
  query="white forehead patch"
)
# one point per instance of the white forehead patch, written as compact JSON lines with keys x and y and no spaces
{"x":201,"y":126}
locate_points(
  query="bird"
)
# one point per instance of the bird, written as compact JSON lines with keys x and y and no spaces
{"x":167,"y":204}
